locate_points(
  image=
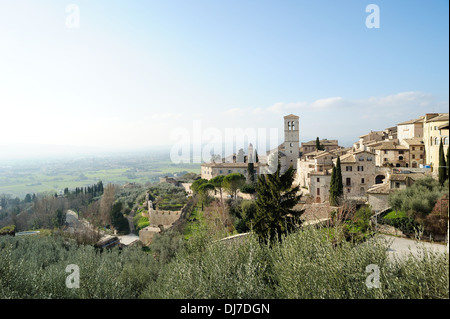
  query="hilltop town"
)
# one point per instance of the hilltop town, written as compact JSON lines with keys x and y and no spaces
{"x":376,"y":164}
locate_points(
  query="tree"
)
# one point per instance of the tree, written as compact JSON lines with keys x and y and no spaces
{"x":274,"y":215}
{"x":204,"y":190}
{"x":233,"y":182}
{"x":256,"y":157}
{"x":195,"y":185}
{"x":251,"y":173}
{"x":448,"y":163}
{"x":333,"y":188}
{"x":106,"y":204}
{"x":118,"y":221}
{"x":218,"y":184}
{"x":442,"y":167}
{"x":319,"y":147}
{"x":27,"y":198}
{"x":336,"y":185}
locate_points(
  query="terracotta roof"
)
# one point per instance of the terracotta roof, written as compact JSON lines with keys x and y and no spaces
{"x":443,"y":126}
{"x":414,"y":141}
{"x":232,"y":165}
{"x":324,"y":142}
{"x":291,"y":116}
{"x":419,"y":120}
{"x":348,"y":158}
{"x":390,"y":146}
{"x":440,"y":118}
{"x":373,"y":133}
{"x":403,"y":177}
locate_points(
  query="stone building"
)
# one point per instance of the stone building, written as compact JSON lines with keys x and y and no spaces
{"x":358,"y":173}
{"x":319,"y":185}
{"x":435,"y":128}
{"x":291,"y":147}
{"x":416,"y":148}
{"x":392,"y":154}
{"x":410,"y":129}
{"x":314,"y":162}
{"x":211,"y":170}
{"x":328,"y":145}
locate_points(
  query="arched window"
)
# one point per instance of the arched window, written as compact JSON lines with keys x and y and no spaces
{"x":436,"y":141}
{"x":445,"y":140}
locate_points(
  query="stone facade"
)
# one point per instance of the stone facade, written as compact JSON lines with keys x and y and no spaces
{"x":416,"y":151}
{"x":392,"y":154}
{"x":358,"y":173}
{"x":433,"y":131}
{"x":328,"y":145}
{"x":291,"y":141}
{"x":319,"y":186}
{"x":410,"y":129}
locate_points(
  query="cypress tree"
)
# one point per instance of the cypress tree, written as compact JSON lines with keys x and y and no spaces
{"x":339,"y":186}
{"x":442,"y":167}
{"x":332,"y":197}
{"x":319,"y":147}
{"x":448,"y":162}
{"x":251,"y":173}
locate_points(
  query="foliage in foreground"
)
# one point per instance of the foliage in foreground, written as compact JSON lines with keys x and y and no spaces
{"x":303,"y":265}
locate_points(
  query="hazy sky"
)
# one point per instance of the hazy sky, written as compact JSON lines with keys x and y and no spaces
{"x":128,"y":73}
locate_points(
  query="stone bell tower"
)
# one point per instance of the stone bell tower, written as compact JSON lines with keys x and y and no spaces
{"x":291,"y":140}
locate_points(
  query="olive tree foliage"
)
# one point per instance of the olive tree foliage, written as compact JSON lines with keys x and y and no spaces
{"x":304,"y":264}
{"x":420,"y":198}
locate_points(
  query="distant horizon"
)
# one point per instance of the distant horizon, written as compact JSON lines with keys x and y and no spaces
{"x":104,"y":76}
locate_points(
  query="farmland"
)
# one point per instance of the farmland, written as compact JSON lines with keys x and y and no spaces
{"x":49,"y":176}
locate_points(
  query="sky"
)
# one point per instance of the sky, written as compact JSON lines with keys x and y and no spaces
{"x":119,"y":75}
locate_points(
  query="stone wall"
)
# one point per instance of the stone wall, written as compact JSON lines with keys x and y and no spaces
{"x":163,"y":217}
{"x":146,"y":234}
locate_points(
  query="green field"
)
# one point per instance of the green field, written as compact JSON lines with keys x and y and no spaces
{"x":55,"y":177}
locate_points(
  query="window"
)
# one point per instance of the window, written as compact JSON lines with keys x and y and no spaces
{"x":220,"y":172}
{"x":361,"y":159}
{"x":362,"y":181}
{"x":413,"y":156}
{"x":400,"y":152}
{"x":445,"y":140}
{"x":318,"y":191}
{"x":348,"y":181}
{"x":360,"y":168}
{"x":421,"y":156}
{"x":436,"y":141}
{"x":369,"y":158}
{"x":385,"y":151}
{"x":400,"y":158}
{"x":413,"y":148}
{"x":421,"y":148}
{"x":385,"y":159}
{"x":229,"y":171}
{"x":397,"y":185}
{"x":291,"y":144}
{"x":318,"y":180}
{"x":348,"y":168}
